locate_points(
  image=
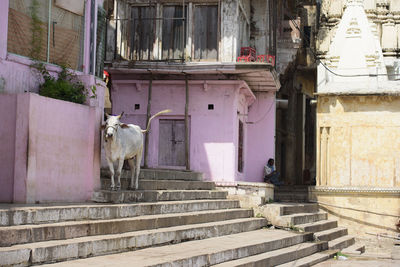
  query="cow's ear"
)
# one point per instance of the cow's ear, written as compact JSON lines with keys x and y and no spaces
{"x":107,"y":115}
{"x":102,"y":127}
{"x":120,"y":115}
{"x":123,"y":125}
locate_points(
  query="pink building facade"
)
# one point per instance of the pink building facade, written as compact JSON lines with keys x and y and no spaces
{"x":50,"y":148}
{"x":212,"y":64}
{"x":231,"y":127}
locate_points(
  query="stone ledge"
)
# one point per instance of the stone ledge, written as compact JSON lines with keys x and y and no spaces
{"x":250,"y":194}
{"x":254,"y":184}
{"x":355,"y":190}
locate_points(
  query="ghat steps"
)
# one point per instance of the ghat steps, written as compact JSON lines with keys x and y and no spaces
{"x":306,"y":217}
{"x":175,"y":219}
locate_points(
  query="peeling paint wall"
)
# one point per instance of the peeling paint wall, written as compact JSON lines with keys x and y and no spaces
{"x":359,"y":141}
{"x":358,"y":161}
{"x":229,"y":30}
{"x":260,"y":26}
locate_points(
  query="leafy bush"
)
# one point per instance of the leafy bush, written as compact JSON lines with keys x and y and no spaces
{"x":65,"y":86}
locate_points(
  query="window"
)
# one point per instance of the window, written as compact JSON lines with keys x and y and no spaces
{"x":101,"y":39}
{"x":143,"y":25}
{"x":49,"y":31}
{"x":205,"y":32}
{"x":173,"y":32}
{"x":164,"y":35}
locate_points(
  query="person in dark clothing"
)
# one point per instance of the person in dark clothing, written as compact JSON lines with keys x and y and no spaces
{"x":270,"y":174}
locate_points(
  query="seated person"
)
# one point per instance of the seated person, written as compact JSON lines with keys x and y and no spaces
{"x":270,"y":174}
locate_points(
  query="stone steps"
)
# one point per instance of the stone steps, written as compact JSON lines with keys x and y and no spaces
{"x":106,"y":196}
{"x":12,"y":235}
{"x":318,"y":226}
{"x":331,"y":234}
{"x":280,"y":209}
{"x":304,"y":218}
{"x":290,"y":197}
{"x":279,"y":256}
{"x":301,"y":218}
{"x":341,"y":242}
{"x":355,"y":249}
{"x":170,"y":222}
{"x":204,"y":252}
{"x":158,"y":174}
{"x":311,"y":259}
{"x":299,"y":208}
{"x":48,"y":213}
{"x":291,"y":193}
{"x":162,"y":184}
{"x":90,"y":246}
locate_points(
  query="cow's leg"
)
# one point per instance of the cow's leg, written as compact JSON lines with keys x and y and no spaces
{"x":133,"y":169}
{"x":119,"y":170}
{"x":111,"y":167}
{"x":137,"y":169}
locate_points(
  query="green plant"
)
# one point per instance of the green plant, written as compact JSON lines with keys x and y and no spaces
{"x":294,"y":228}
{"x":64,"y":87}
{"x":341,"y":254}
{"x":93,"y":88}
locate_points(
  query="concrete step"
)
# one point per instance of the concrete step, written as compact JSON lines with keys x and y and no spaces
{"x":291,"y":208}
{"x":291,"y":188}
{"x":162,"y":184}
{"x":330,"y":234}
{"x":12,"y":235}
{"x":83,"y":247}
{"x":299,"y":208}
{"x":317,"y":226}
{"x":14,"y":214}
{"x":311,"y":259}
{"x":341,"y":242}
{"x":355,"y":249}
{"x":279,"y":256}
{"x":159,"y":174}
{"x":199,"y":253}
{"x":106,"y":196}
{"x":301,"y":218}
{"x":290,"y":197}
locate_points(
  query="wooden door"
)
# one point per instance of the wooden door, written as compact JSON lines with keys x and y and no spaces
{"x":171,"y":146}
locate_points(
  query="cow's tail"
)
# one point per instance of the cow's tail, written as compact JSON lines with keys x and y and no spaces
{"x":152,"y":117}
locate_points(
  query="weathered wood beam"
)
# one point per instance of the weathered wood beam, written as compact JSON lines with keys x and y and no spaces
{"x":148,"y":115}
{"x":187,"y":145}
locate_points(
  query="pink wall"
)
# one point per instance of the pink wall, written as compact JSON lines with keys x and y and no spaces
{"x":64,"y":140}
{"x":61,"y":149}
{"x":213,"y":133}
{"x":57,"y":150}
{"x":8,"y":113}
{"x":260,"y":135}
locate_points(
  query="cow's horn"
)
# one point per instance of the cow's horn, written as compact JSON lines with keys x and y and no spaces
{"x":120,"y":115}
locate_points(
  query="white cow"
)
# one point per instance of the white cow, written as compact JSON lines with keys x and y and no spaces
{"x":124,"y":142}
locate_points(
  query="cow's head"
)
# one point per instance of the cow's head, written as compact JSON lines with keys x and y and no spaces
{"x":112,"y":125}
